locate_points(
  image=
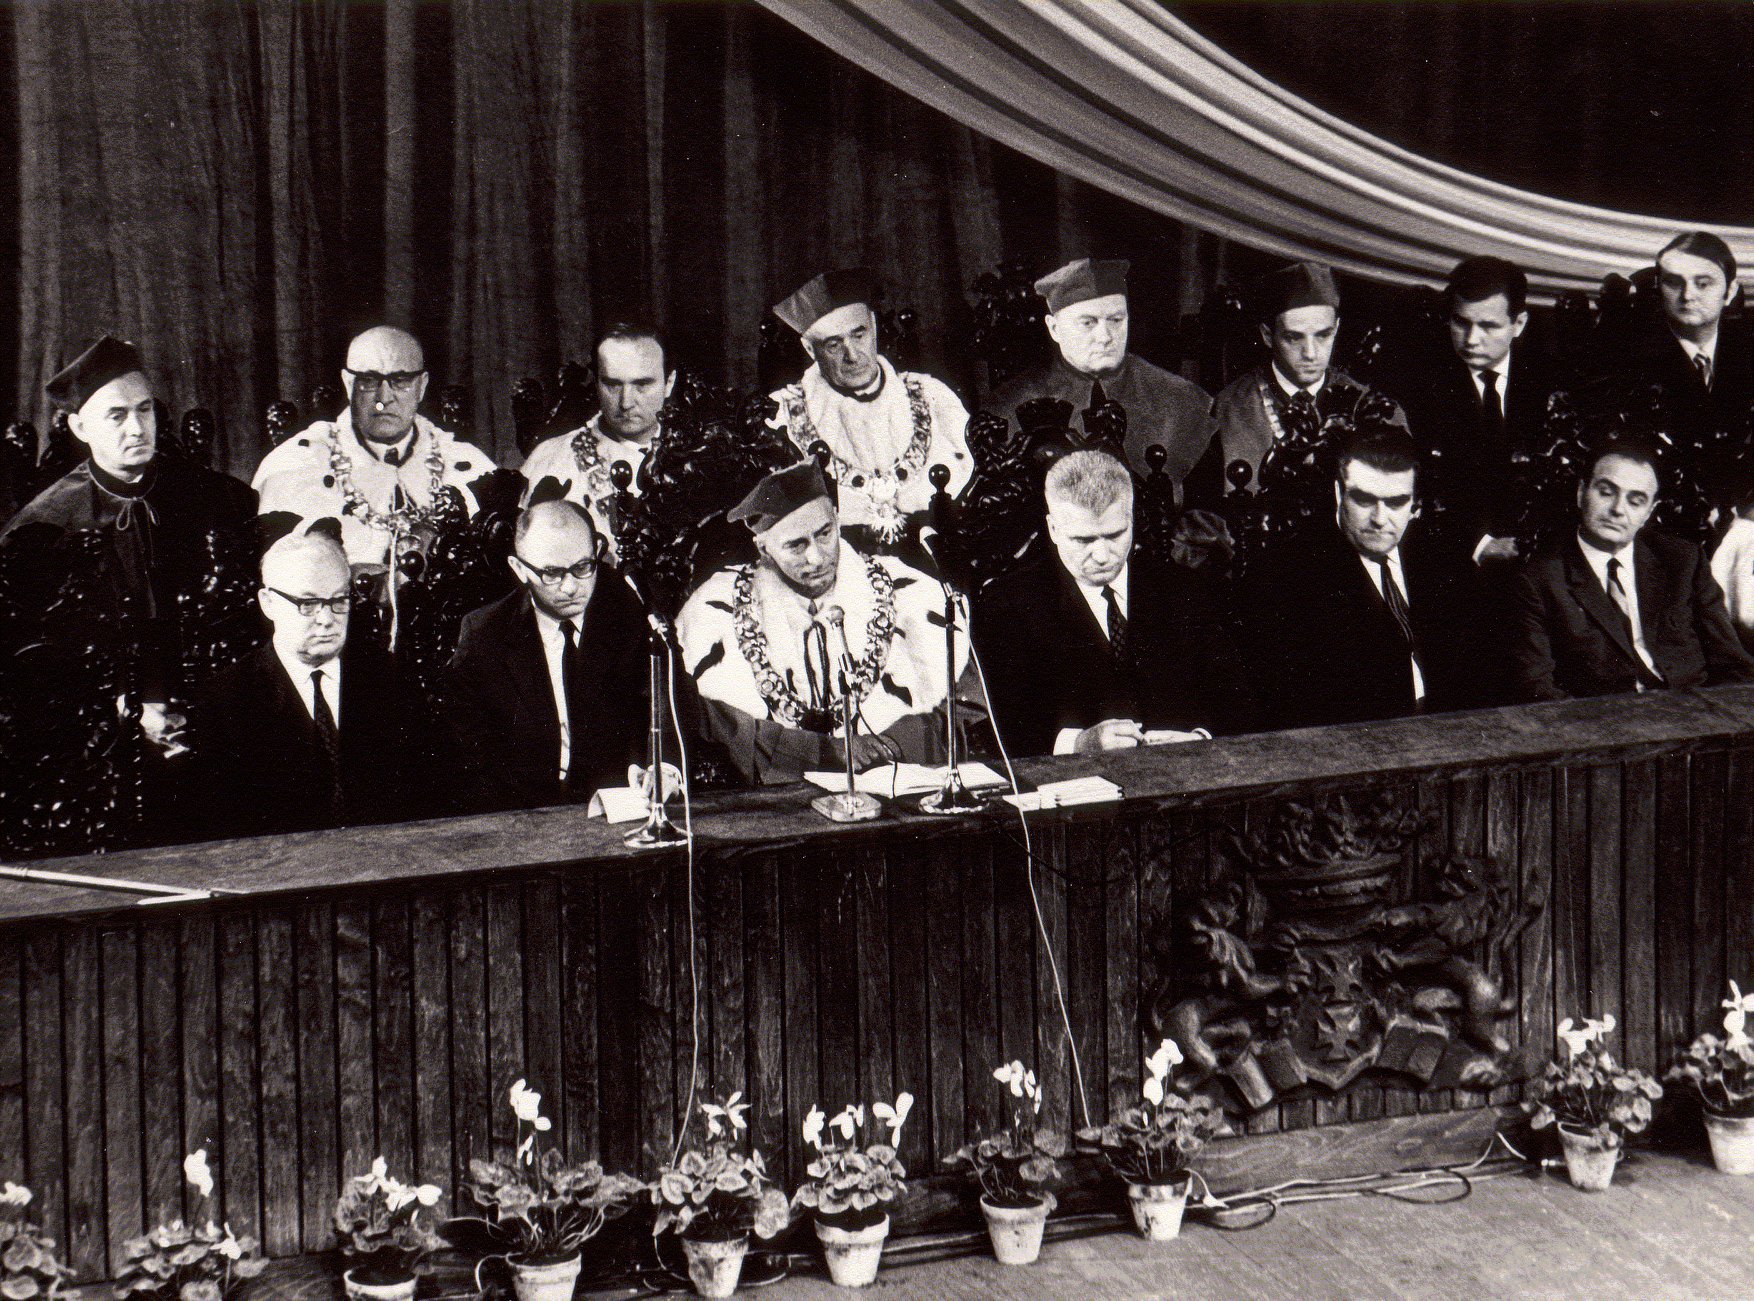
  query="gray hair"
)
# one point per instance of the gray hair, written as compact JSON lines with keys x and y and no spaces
{"x":299,"y":545}
{"x":1089,"y":479}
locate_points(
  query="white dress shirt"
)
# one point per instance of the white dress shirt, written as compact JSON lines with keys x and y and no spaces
{"x":1501,"y":368}
{"x":553,"y":650}
{"x":1290,"y":388}
{"x":300,"y":674}
{"x":1598,"y":563}
{"x":1375,"y":571}
{"x":1708,"y":350}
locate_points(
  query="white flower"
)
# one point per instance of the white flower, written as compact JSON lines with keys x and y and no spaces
{"x":427,"y":1194}
{"x":15,"y":1195}
{"x":1011,"y":1073}
{"x":398,"y":1196}
{"x":1029,"y":1086}
{"x":1166,"y":1056}
{"x":527,"y":1105}
{"x":813,"y":1126}
{"x":734,"y":1110}
{"x":526,"y":1147}
{"x":894,"y":1116}
{"x":1153,"y":1090}
{"x":196,"y":1172}
{"x":1589,"y":1032}
{"x":380,"y":1173}
{"x":1737,"y":1006}
{"x":230,"y":1247}
{"x":848,"y":1121}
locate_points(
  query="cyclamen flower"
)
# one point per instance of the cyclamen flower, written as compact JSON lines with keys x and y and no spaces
{"x":813,"y":1126}
{"x":1012,"y":1074}
{"x":15,"y":1195}
{"x":895,"y":1116}
{"x":196,"y":1172}
{"x":1168,"y":1055}
{"x":732,"y":1111}
{"x":1590,"y":1031}
{"x":1153,"y":1090}
{"x":1737,"y":1006}
{"x":230,"y":1247}
{"x":427,"y":1194}
{"x":527,"y":1105}
{"x":849,"y":1120}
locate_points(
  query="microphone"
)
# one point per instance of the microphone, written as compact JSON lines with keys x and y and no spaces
{"x":836,"y":618}
{"x":657,"y":622}
{"x":929,"y":539}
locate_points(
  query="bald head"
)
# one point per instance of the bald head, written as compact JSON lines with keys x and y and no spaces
{"x":310,"y":568}
{"x":554,"y":554}
{"x":386,"y":378}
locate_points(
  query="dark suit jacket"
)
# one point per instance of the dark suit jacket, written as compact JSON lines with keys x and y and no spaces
{"x":1658,"y":361}
{"x":500,"y":707}
{"x":1471,"y":475}
{"x":259,"y":768}
{"x":1327,"y":650}
{"x":1049,"y":665}
{"x":1570,"y":640}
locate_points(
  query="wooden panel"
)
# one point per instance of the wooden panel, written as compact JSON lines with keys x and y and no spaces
{"x":876,"y":1052}
{"x":837,"y":988}
{"x":120,"y":1089}
{"x":765,"y":997}
{"x":1535,"y":950}
{"x":1118,"y":924}
{"x":199,"y":976}
{"x":1638,"y":838}
{"x":656,"y":1029}
{"x":1674,"y":910}
{"x":961,"y":925}
{"x":505,"y":1016}
{"x":160,"y":1072}
{"x":1570,"y":909}
{"x":1606,"y":879}
{"x":82,"y":1045}
{"x":45,"y":1102}
{"x":356,"y":1113}
{"x":1086,"y":981}
{"x":434,"y":1152}
{"x":910,"y":1002}
{"x":1053,"y":1052}
{"x":1433,"y":848}
{"x":578,"y":1018}
{"x":1710,"y":775}
{"x":240,"y":1180}
{"x":319,"y":1106}
{"x":277,"y":1022}
{"x":12,"y":1104}
{"x":724,"y":1068}
{"x":618,"y":1020}
{"x":1501,"y":848}
{"x":541,"y":998}
{"x":393,"y":1034}
{"x":1738,"y":896}
{"x":470,"y":1084}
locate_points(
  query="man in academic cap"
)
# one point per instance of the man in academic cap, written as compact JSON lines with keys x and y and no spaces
{"x":380,"y":467}
{"x":1087,"y":318}
{"x":1295,"y":388}
{"x":769,"y":643}
{"x":151,"y":516}
{"x":884,"y":428}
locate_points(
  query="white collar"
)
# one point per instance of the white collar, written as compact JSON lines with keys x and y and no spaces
{"x":1291,"y":389}
{"x":1708,"y":349}
{"x":1598,"y":559}
{"x":300,"y":672}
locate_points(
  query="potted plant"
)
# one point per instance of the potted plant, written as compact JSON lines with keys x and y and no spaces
{"x":850,"y":1184}
{"x":714,"y":1196}
{"x":1150,"y":1146}
{"x":540,"y":1210}
{"x":377,"y":1219}
{"x":1721,"y":1073}
{"x":1594,"y":1101}
{"x":188,"y":1263}
{"x":28,"y":1264}
{"x":1014,"y":1168}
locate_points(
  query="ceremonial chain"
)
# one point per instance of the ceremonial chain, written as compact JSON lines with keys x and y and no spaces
{"x":403,"y":520}
{"x":883,"y":487}
{"x":783,"y":702}
{"x":589,"y":458}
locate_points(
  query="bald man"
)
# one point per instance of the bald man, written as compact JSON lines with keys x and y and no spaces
{"x":546,"y":695}
{"x":378,"y":468}
{"x":311,"y":731}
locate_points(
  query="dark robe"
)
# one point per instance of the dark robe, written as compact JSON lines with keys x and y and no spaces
{"x":1162,"y":408}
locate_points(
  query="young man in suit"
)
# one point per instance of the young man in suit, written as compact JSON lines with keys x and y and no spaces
{"x":1096,"y":647}
{"x":546,"y":695}
{"x":1485,"y":401}
{"x":1373,"y":618}
{"x":311,"y":730}
{"x":1616,"y":608}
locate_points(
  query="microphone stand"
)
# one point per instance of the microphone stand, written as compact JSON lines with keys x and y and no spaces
{"x":658,"y":829}
{"x":952,"y":796}
{"x":852,"y":804}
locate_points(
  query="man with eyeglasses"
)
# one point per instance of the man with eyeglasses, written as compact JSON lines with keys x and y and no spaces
{"x":380,"y":467}
{"x":546,"y":694}
{"x":311,"y":730}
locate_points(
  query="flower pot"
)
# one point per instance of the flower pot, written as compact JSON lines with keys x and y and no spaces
{"x":1732,"y":1142}
{"x":401,"y":1290}
{"x":1587,"y":1161}
{"x":715,"y":1264}
{"x":1015,"y":1231}
{"x":544,"y":1280}
{"x":1157,"y":1208}
{"x":852,"y":1254}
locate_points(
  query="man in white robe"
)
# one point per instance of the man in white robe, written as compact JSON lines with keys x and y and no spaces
{"x":885,"y":429}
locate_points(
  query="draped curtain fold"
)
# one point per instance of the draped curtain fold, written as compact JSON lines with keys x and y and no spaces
{"x":1127,"y":97}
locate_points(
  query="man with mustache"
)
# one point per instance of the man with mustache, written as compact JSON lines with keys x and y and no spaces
{"x":380,"y":467}
{"x":1087,"y":318}
{"x":751,"y":643}
{"x":1370,"y":618}
{"x":884,"y":428}
{"x":1615,"y":607}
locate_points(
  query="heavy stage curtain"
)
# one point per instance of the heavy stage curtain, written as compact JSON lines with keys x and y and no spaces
{"x":240,"y":186}
{"x":1126,"y":96}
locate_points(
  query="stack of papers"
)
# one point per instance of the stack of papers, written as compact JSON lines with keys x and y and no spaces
{"x":619,"y":804}
{"x":1058,"y":795}
{"x":897,"y":779}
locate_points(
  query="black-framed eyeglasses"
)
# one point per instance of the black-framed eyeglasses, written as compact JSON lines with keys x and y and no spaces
{"x":309,"y":605}
{"x":552,"y":575}
{"x":399,"y":381}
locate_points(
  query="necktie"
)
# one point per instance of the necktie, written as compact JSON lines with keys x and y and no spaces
{"x":1702,"y":364}
{"x":1397,"y":603}
{"x":572,"y":685}
{"x":1622,"y":602}
{"x":1117,"y":623}
{"x":1491,"y":401}
{"x":1303,"y":408}
{"x":329,"y":737}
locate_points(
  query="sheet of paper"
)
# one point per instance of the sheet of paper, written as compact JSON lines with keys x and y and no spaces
{"x":1062,"y":794}
{"x":619,"y":804}
{"x":895,"y":780}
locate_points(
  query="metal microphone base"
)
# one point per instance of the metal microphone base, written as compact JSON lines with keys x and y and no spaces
{"x":953,"y":797}
{"x":848,"y":806}
{"x":658,"y":830}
